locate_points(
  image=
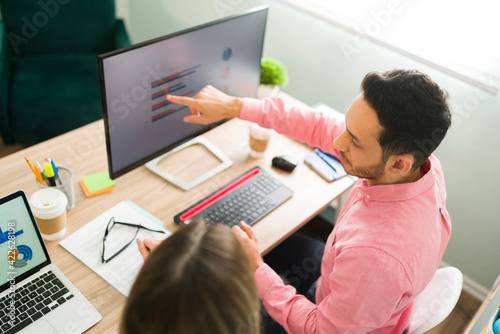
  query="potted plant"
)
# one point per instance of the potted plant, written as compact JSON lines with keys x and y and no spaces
{"x":273,"y":75}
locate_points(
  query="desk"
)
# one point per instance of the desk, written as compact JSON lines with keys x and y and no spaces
{"x":83,"y":151}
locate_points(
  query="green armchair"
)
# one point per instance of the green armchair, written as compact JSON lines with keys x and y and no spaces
{"x":49,"y":81}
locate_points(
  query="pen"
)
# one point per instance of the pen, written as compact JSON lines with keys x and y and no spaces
{"x":35,"y":171}
{"x":49,"y":173}
{"x":323,"y":157}
{"x":37,"y":165}
{"x":55,"y":170}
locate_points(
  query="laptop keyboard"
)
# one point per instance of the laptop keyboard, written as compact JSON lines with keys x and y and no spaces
{"x":248,"y":198}
{"x":32,"y":301}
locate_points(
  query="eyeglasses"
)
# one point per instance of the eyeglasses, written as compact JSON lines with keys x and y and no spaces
{"x":112,"y":223}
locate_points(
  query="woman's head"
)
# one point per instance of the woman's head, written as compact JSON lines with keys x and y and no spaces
{"x":199,"y":280}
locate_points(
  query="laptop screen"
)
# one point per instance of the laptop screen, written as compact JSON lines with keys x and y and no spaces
{"x":22,"y":251}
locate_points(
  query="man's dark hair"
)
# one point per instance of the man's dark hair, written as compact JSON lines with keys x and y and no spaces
{"x":412,"y":109}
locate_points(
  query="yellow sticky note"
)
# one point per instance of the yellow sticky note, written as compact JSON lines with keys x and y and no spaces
{"x":98,"y":181}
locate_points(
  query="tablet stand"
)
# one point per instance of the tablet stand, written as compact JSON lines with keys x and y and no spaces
{"x":225,"y":163}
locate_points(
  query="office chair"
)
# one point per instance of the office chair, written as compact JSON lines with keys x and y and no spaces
{"x":49,"y":79}
{"x":437,"y":300}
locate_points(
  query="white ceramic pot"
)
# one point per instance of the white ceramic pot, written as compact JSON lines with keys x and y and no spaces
{"x":267,"y":91}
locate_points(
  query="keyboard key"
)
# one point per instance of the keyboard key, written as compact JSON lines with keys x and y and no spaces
{"x":49,"y":277}
{"x":22,"y":316}
{"x":21,"y":325}
{"x":31,"y":303}
{"x":59,"y":294}
{"x":58,"y":283}
{"x":5,"y":327}
{"x":39,"y":306}
{"x":61,"y":301}
{"x":36,"y":316}
{"x":45,"y":310}
{"x":54,"y":306}
{"x":31,"y":311}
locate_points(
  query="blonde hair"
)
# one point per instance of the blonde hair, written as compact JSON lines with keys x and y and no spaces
{"x":199,"y":280}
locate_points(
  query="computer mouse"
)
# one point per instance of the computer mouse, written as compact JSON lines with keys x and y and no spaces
{"x":285,"y":163}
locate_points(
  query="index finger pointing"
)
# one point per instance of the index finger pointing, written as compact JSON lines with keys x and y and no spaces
{"x":185,"y":100}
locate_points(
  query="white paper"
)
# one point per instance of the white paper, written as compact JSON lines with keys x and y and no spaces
{"x":86,"y":244}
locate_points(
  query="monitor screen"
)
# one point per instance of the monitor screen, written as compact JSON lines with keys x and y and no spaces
{"x":140,"y":123}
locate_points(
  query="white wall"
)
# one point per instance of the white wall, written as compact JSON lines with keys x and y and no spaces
{"x":319,"y":71}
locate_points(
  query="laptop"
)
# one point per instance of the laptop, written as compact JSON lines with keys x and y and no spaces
{"x":35,"y":296}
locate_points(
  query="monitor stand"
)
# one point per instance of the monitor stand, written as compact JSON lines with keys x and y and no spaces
{"x":225,"y":163}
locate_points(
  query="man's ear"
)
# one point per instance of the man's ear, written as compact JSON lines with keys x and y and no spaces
{"x":400,"y":164}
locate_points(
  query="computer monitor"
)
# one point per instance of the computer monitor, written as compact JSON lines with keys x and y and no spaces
{"x":140,"y":124}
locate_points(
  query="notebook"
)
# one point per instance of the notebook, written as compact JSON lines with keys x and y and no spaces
{"x":35,"y":296}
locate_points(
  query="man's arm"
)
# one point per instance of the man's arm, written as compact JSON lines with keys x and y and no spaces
{"x":303,"y":123}
{"x":315,"y":128}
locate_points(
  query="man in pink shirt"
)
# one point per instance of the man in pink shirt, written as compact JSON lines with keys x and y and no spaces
{"x":393,"y":229}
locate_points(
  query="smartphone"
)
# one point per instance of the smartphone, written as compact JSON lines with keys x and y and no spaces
{"x":325,"y":165}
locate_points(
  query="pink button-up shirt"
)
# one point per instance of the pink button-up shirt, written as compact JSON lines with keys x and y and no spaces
{"x":386,"y":245}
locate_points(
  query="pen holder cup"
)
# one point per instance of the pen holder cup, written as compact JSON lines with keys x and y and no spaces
{"x":66,"y":186}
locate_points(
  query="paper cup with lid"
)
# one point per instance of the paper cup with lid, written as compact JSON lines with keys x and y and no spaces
{"x":49,"y":208}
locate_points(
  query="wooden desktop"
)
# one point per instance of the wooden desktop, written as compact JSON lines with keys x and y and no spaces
{"x":84,"y":152}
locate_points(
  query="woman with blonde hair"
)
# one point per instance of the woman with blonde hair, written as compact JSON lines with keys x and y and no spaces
{"x":199,"y":280}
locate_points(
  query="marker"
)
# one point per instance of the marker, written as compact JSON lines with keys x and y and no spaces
{"x":49,"y":173}
{"x":323,"y":157}
{"x":55,"y":170}
{"x":40,"y":169}
{"x":35,"y":171}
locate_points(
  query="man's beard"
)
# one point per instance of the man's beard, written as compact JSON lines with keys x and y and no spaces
{"x":369,"y":172}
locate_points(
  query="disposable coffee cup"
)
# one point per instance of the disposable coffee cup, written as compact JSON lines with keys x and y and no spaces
{"x":65,"y":185}
{"x":259,"y":138}
{"x":49,"y":208}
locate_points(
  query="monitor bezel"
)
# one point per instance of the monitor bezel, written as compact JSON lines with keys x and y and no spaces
{"x":33,"y":270}
{"x":100,"y":58}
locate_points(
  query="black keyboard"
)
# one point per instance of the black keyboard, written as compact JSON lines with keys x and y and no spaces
{"x":248,"y":198}
{"x":32,"y":301}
